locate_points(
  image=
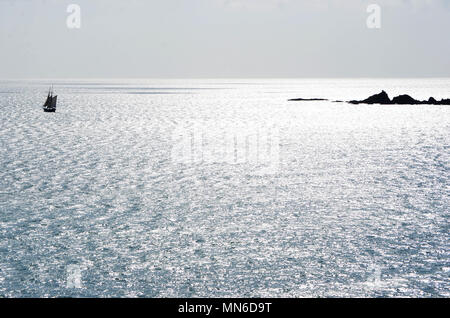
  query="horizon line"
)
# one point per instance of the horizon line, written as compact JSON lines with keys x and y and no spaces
{"x":217,"y":78}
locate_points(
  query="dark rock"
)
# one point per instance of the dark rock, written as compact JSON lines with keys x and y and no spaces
{"x":405,"y":100}
{"x":381,"y":98}
{"x":444,"y":102}
{"x":306,"y":99}
{"x":431,"y":100}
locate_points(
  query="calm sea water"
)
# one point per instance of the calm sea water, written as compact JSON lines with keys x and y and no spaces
{"x":93,"y":201}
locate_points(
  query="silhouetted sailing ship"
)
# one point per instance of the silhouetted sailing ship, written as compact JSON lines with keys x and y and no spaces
{"x":50,"y":103}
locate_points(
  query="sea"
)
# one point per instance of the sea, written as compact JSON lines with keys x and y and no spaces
{"x":224,"y":188}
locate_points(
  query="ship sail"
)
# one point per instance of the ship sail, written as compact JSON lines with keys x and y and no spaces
{"x":48,"y":101}
{"x":53,"y":104}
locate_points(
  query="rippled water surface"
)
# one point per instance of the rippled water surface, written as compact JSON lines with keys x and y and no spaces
{"x":93,"y":202}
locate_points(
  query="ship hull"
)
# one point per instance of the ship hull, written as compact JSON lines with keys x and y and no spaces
{"x":49,"y":110}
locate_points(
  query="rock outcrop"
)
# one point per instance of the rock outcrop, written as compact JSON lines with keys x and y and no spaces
{"x":306,"y":99}
{"x":383,"y":99}
{"x":405,"y":100}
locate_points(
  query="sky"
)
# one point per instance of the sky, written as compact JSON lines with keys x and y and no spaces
{"x":224,"y":39}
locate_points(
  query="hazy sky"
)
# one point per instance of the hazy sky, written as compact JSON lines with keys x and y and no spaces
{"x":224,"y":38}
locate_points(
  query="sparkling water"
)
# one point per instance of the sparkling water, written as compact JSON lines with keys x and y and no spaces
{"x":94,"y":201}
